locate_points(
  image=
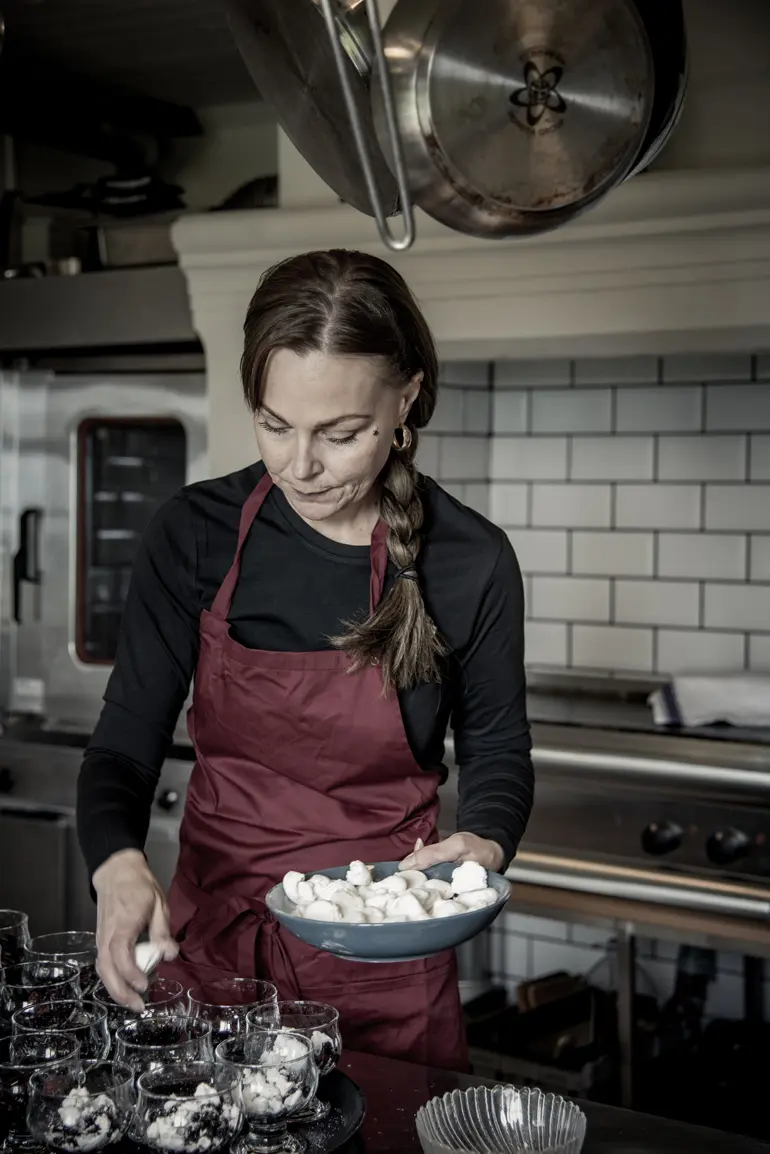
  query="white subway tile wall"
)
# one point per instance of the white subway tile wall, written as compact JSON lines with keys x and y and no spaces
{"x":612,"y":458}
{"x":759,"y":451}
{"x":573,"y":506}
{"x":613,"y":554}
{"x":663,"y":409}
{"x":760,"y":559}
{"x":637,"y":495}
{"x":572,"y":411}
{"x":455,"y":448}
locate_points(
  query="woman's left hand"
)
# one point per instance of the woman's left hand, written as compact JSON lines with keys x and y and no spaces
{"x":457,"y":848}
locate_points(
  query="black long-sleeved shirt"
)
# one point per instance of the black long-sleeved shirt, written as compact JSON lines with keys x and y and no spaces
{"x":296,"y":588}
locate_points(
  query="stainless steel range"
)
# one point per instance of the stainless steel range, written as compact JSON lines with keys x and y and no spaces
{"x":625,"y":810}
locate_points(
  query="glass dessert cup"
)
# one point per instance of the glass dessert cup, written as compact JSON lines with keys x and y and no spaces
{"x":14,"y":937}
{"x":21,"y":1055}
{"x":78,"y":946}
{"x":163,"y":997}
{"x":279,"y":1077}
{"x":86,"y":1021}
{"x":149,"y":1043}
{"x":188,"y":1108}
{"x":320,"y":1024}
{"x":81,"y":1108}
{"x":30,"y":983}
{"x":224,"y":1003}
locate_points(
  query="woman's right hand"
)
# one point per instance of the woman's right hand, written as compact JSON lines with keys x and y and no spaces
{"x":129,"y":901}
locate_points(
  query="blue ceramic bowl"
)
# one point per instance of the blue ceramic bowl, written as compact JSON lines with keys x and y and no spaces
{"x":389,"y":941}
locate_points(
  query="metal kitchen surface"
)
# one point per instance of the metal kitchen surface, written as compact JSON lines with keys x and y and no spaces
{"x":627,"y":810}
{"x":596,"y":705}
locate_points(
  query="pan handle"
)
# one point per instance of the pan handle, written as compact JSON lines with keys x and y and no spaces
{"x":394,"y":243}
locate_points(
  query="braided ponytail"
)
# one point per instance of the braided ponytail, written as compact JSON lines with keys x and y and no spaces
{"x":400,"y":635}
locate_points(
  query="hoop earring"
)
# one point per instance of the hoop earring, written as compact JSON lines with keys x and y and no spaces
{"x":403,"y":444}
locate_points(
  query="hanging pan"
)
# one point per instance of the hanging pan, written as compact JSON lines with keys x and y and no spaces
{"x":297,"y":52}
{"x":515,"y":115}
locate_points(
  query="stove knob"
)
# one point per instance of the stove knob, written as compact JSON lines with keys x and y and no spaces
{"x":168,"y":800}
{"x":726,"y":846}
{"x":662,"y":837}
{"x":6,"y":780}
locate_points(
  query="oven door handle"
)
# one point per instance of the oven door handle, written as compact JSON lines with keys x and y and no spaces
{"x":26,"y":559}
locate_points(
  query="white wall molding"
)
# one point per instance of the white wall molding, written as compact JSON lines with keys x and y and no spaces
{"x":670,"y":262}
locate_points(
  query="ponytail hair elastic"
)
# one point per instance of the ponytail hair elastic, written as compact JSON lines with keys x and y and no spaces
{"x":409,"y":573}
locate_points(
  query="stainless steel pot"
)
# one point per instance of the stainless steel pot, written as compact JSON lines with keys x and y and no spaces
{"x":299,"y":67}
{"x":516,"y":117}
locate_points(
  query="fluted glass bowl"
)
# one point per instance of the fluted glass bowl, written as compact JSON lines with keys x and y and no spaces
{"x":501,"y":1120}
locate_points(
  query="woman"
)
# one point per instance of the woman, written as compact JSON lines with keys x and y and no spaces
{"x":336,"y":610}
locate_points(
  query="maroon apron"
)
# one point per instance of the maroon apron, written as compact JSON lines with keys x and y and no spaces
{"x":303,"y":765}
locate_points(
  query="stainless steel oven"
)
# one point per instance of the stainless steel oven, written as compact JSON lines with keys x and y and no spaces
{"x":87,"y":460}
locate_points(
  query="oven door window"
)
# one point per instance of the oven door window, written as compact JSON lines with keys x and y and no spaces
{"x":127,"y":469}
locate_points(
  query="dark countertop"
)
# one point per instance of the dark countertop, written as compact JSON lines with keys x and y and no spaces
{"x":395,"y":1090}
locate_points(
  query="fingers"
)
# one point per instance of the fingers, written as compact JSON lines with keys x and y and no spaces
{"x":160,"y":930}
{"x":449,"y":850}
{"x":114,"y":968}
{"x":129,"y":901}
{"x":460,"y":847}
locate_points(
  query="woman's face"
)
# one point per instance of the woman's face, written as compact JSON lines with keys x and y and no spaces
{"x":325,"y":426}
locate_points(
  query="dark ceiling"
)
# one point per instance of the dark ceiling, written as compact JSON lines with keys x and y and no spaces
{"x":176,"y":50}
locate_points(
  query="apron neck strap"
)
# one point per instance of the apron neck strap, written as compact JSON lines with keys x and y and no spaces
{"x":254,"y":502}
{"x":251,"y":506}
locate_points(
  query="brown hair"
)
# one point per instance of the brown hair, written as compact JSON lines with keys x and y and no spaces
{"x":353,"y":304}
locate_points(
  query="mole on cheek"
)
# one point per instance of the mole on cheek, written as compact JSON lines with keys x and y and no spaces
{"x":376,"y":433}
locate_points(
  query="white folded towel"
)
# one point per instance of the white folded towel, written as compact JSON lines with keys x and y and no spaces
{"x":691,"y":699}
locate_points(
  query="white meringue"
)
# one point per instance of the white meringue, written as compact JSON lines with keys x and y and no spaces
{"x":427,"y":898}
{"x":305,"y":892}
{"x":469,"y":876}
{"x":359,"y":874}
{"x":339,"y":886}
{"x":413,"y":878}
{"x":395,"y":884}
{"x":442,"y":888}
{"x":446,"y":908}
{"x":477,"y":899}
{"x":319,"y":882}
{"x":351,"y":905}
{"x":407,"y":895}
{"x":290,"y":882}
{"x":377,"y":900}
{"x":322,"y":911}
{"x":407,"y":907}
{"x":147,"y":956}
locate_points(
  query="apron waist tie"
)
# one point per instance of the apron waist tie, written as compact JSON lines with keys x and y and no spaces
{"x":243,"y":922}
